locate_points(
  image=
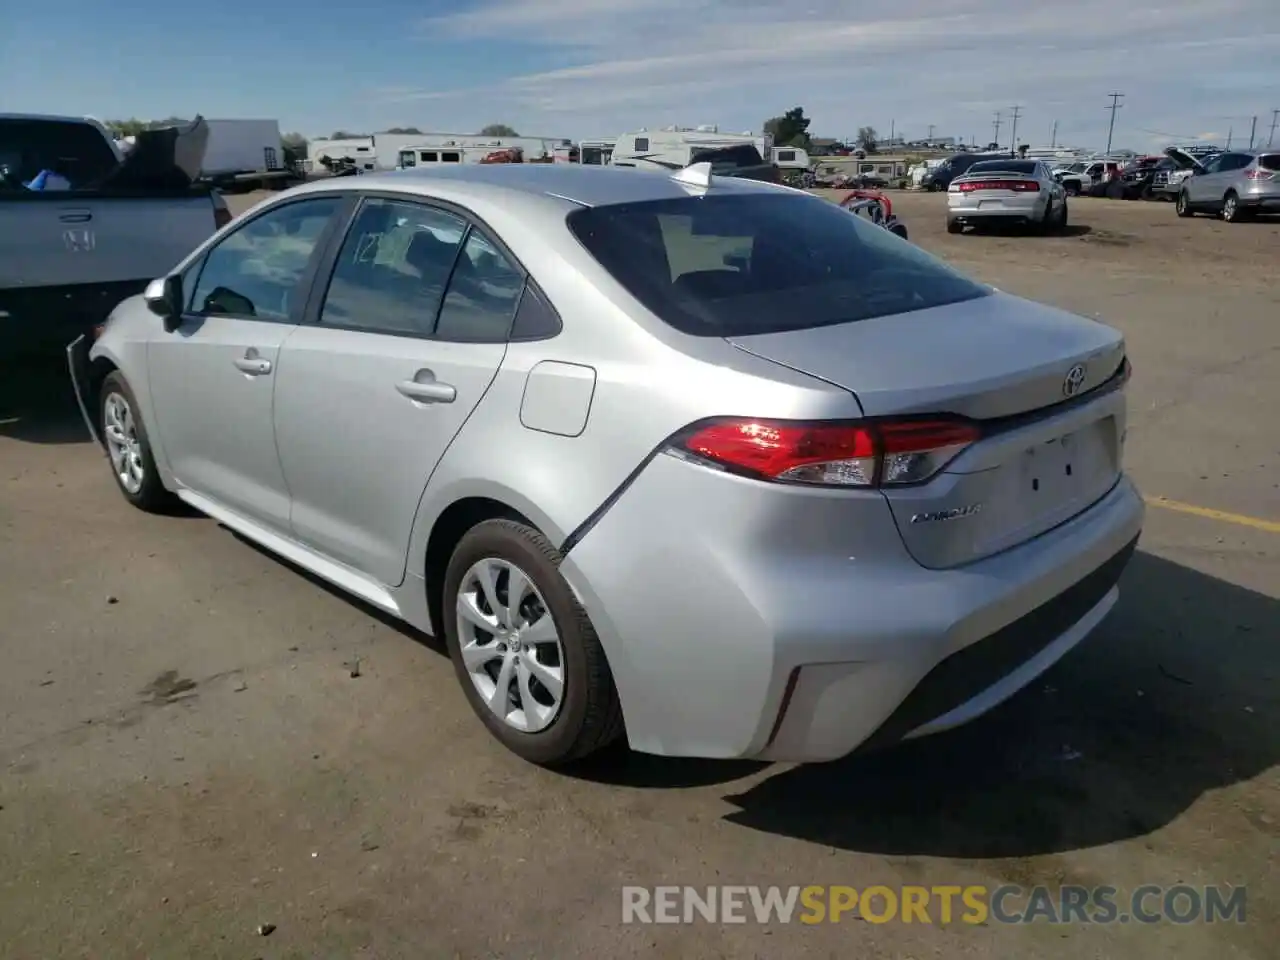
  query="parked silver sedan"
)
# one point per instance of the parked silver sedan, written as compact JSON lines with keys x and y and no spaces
{"x":1007,"y":191}
{"x":707,"y":463}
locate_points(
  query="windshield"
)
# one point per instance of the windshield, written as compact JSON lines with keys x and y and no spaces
{"x":1005,"y":166}
{"x":741,"y":264}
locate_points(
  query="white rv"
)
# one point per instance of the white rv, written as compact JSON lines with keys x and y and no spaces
{"x":674,"y":148}
{"x":429,"y":156}
{"x":791,"y":158}
{"x":596,"y":153}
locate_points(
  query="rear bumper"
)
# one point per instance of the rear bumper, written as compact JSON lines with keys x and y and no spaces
{"x":741,"y":623}
{"x":1012,"y":210}
{"x":1268,"y":202}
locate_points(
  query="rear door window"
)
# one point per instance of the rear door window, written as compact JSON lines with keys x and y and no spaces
{"x":393,"y":268}
{"x":750,"y":263}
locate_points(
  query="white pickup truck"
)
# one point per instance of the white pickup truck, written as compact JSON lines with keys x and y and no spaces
{"x":68,"y":256}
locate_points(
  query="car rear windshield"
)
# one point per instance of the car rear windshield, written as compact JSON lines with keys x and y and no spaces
{"x":741,"y":264}
{"x":76,"y":151}
{"x":1269,"y":161}
{"x":1004,"y":166}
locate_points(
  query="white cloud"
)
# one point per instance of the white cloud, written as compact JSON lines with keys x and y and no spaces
{"x":621,"y":64}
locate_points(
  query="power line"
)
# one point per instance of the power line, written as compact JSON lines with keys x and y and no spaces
{"x":1115,"y":105}
{"x":1013,"y":135}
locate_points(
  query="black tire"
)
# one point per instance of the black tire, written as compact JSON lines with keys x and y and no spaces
{"x":1073,"y":189}
{"x":1060,"y":225}
{"x":151,"y":495}
{"x":954,"y":226}
{"x":1232,"y":212}
{"x":1183,"y":206}
{"x":590,"y":715}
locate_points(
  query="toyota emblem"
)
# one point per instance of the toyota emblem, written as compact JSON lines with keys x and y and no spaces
{"x":1074,"y":381}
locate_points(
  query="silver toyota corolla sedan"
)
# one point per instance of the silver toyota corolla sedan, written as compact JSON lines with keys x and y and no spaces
{"x":710,"y":464}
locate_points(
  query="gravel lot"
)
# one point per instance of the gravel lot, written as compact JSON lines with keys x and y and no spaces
{"x":185,"y":753}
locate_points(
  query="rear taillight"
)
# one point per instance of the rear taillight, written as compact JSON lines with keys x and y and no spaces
{"x":1259,"y":175}
{"x":1019,"y":186}
{"x":870,"y":454}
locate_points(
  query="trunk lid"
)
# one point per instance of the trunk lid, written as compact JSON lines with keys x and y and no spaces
{"x":1050,"y":449}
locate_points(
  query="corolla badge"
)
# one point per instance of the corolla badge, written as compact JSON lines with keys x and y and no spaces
{"x":1074,"y":381}
{"x":956,"y":513}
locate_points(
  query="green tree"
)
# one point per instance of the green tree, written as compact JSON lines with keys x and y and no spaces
{"x":497,"y":130}
{"x":868,"y":139}
{"x":789,"y":130}
{"x":409,"y":130}
{"x":346,"y":135}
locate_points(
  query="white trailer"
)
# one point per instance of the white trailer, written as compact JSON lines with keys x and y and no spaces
{"x":244,"y":152}
{"x":672,"y":148}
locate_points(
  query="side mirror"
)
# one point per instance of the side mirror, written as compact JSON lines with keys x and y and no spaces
{"x":164,"y":298}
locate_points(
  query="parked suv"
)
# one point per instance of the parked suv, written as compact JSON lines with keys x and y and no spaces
{"x":940,"y":177}
{"x":1235,"y":185}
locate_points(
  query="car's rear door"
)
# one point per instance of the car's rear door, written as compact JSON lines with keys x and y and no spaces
{"x":404,"y":337}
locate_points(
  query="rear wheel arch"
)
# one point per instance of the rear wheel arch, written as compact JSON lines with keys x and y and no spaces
{"x":448,"y":530}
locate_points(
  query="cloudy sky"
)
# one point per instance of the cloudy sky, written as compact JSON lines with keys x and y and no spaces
{"x":583,"y":68}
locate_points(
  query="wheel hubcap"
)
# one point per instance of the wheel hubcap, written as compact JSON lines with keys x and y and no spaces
{"x":123,"y":445}
{"x":1229,"y":208}
{"x":510,"y":646}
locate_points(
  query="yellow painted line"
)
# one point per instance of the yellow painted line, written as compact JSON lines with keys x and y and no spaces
{"x":1257,"y":523}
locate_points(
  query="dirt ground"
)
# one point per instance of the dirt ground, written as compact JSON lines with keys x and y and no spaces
{"x":196,"y":739}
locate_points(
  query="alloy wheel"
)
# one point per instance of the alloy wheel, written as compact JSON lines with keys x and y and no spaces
{"x":123,"y":444}
{"x":510,"y":645}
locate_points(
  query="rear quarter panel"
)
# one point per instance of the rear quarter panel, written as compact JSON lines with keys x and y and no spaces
{"x":650,"y":381}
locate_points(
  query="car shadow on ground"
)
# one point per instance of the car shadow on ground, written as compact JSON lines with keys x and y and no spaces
{"x":1174,"y":696}
{"x":38,"y":404}
{"x":1021,"y":230}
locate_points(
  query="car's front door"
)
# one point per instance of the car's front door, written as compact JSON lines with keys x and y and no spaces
{"x":211,"y":379}
{"x":401,"y":343}
{"x":1204,"y":185}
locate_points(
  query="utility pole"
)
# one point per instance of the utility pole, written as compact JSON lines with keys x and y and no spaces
{"x":1115,"y":105}
{"x":1275,"y":115}
{"x":1253,"y":130}
{"x":891,"y":132}
{"x":1053,"y":137}
{"x":1230,"y":130}
{"x":1013,"y":135}
{"x":995,"y":126}
{"x":931,"y":133}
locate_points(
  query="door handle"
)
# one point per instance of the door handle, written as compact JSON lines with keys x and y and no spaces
{"x":253,"y":366}
{"x":76,"y":216}
{"x":426,"y":389}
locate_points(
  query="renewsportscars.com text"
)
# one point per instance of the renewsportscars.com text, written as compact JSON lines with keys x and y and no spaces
{"x":942,"y":904}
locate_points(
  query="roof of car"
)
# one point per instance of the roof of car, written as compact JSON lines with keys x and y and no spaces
{"x":583,"y":184}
